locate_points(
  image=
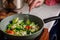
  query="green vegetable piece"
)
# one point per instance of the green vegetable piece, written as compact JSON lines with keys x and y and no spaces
{"x":17,"y":33}
{"x":28,"y":32}
{"x":20,"y":21}
{"x":22,"y":24}
{"x":28,"y":22}
{"x":23,"y":32}
{"x":32,"y":30}
{"x":32,"y":24}
{"x":15,"y":20}
{"x":18,"y":28}
{"x":9,"y":26}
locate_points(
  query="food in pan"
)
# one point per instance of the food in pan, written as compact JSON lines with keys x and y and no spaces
{"x":21,"y":28}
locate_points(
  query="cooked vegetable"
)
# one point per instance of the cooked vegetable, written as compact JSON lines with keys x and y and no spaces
{"x":28,"y":27}
{"x":28,"y":22}
{"x":21,"y":28}
{"x":15,"y":20}
{"x":10,"y":32}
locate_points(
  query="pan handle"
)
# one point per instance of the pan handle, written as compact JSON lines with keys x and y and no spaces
{"x":51,"y":19}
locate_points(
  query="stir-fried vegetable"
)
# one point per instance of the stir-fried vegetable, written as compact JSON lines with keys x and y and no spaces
{"x":10,"y":32}
{"x":21,"y":28}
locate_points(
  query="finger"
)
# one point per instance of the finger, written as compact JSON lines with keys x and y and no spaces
{"x":32,"y":5}
{"x":38,"y":4}
{"x":30,"y":1}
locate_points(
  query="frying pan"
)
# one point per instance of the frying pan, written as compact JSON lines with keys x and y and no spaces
{"x":33,"y":18}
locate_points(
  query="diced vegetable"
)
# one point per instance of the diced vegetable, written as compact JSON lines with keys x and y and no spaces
{"x":15,"y":20}
{"x":17,"y":33}
{"x":23,"y":32}
{"x":28,"y":27}
{"x":9,"y":26}
{"x":32,"y":30}
{"x":13,"y":26}
{"x":28,"y":22}
{"x":20,"y":21}
{"x":28,"y":31}
{"x":10,"y":32}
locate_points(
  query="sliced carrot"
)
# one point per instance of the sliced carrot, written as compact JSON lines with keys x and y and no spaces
{"x":28,"y":27}
{"x":10,"y":32}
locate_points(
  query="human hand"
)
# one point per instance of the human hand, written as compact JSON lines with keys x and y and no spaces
{"x":34,"y":3}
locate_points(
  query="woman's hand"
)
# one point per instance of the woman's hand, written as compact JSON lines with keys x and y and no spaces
{"x":34,"y":3}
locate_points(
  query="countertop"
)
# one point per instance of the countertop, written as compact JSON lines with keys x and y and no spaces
{"x":44,"y":12}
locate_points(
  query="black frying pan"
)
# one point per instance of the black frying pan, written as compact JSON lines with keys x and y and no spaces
{"x":33,"y":18}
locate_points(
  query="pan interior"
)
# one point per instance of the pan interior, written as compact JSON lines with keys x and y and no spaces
{"x":33,"y":18}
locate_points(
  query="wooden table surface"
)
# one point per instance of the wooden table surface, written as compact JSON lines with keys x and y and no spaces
{"x":44,"y":35}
